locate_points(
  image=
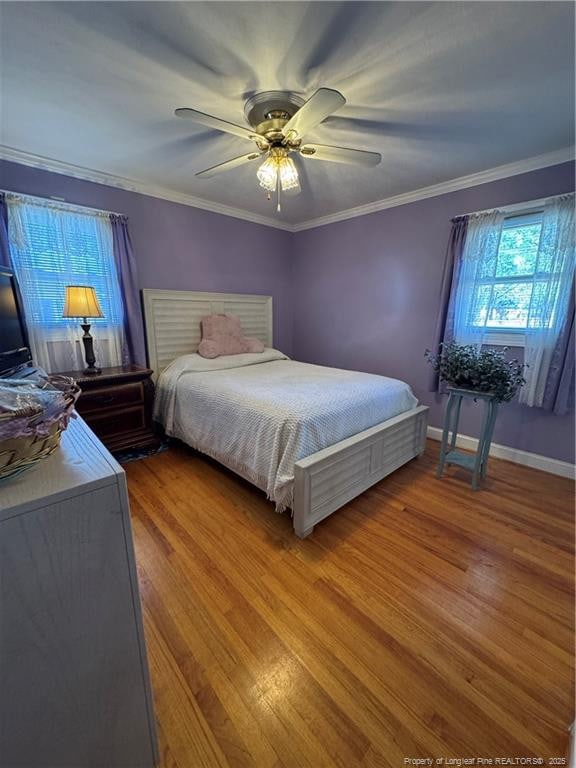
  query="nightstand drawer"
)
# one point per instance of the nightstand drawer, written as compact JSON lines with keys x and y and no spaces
{"x":111,"y":397}
{"x":117,"y":404}
{"x":106,"y":424}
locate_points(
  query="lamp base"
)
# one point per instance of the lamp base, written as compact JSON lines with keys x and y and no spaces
{"x":91,"y":369}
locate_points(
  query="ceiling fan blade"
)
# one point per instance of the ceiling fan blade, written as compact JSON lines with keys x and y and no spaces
{"x":317,"y":108}
{"x":228,"y":165}
{"x":222,"y":125}
{"x":340,"y":155}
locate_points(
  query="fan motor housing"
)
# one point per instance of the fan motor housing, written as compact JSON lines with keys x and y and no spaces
{"x":269,"y":111}
{"x":272,"y":129}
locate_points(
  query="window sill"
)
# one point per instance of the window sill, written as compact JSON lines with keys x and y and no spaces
{"x":503,"y":339}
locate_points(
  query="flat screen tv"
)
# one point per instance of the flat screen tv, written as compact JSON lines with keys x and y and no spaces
{"x":14,"y":349}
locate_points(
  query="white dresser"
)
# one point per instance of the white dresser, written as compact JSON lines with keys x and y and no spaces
{"x":74,"y":685}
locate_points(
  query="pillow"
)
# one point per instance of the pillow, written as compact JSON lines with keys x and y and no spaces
{"x":222,"y":335}
{"x":194,"y":363}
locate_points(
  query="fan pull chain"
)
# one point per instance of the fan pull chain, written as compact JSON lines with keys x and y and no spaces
{"x":278,"y":206}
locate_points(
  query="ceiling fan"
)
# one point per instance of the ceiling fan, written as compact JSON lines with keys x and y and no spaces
{"x":279,"y":121}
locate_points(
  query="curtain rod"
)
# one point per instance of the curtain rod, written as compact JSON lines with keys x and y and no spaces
{"x":528,"y":206}
{"x":59,"y":204}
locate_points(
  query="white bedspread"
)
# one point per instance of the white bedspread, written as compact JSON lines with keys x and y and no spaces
{"x":258,"y":419}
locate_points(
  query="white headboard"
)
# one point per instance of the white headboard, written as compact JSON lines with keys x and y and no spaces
{"x":172,"y":320}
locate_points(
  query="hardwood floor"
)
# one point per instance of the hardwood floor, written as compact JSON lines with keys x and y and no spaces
{"x":421,"y":620}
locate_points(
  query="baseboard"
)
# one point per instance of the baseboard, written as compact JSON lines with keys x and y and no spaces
{"x":534,"y":460}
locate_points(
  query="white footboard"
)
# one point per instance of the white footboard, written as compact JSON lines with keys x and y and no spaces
{"x":328,"y":479}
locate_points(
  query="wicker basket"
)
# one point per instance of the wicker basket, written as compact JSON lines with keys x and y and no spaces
{"x":18,"y":454}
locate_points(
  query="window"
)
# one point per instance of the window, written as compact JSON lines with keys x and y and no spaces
{"x":511,"y":280}
{"x":507,"y":280}
{"x":512,"y":285}
{"x":52,"y":247}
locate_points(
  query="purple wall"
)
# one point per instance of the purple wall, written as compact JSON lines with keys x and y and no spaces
{"x":362,"y":293}
{"x":179,"y":247}
{"x":367,"y":291}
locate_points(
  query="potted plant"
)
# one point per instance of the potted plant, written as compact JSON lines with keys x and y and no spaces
{"x":464,"y":366}
{"x":479,"y":374}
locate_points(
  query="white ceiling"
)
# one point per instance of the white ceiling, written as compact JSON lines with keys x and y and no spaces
{"x":442,"y":90}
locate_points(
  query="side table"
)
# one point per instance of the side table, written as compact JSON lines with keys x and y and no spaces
{"x":478,"y":462}
{"x":117,"y":404}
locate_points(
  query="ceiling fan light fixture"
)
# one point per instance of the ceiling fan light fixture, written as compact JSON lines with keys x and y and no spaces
{"x":268,"y":174}
{"x":288,"y":174}
{"x":278,"y":166}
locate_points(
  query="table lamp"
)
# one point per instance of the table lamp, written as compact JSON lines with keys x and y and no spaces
{"x":81,"y":301}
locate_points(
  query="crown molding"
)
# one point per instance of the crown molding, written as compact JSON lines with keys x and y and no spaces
{"x":130,"y":185}
{"x":151,"y":190}
{"x":453,"y":185}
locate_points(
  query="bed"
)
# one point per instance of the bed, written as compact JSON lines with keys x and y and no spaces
{"x":311,"y":437}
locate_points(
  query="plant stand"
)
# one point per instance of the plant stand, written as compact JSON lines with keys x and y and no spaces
{"x":477,"y":463}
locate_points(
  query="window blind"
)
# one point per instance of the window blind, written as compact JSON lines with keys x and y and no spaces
{"x":51,"y":248}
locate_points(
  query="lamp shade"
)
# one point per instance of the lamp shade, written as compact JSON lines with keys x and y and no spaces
{"x":81,"y":301}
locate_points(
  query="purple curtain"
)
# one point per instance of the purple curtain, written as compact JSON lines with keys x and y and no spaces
{"x":4,"y":246}
{"x":134,"y":348}
{"x":445,"y":323}
{"x":559,"y":390}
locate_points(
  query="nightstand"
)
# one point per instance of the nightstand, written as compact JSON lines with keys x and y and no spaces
{"x":117,"y":405}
